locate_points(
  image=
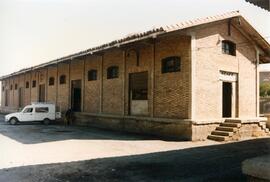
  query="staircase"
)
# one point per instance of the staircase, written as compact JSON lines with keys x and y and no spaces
{"x":229,"y":128}
{"x":263,"y":127}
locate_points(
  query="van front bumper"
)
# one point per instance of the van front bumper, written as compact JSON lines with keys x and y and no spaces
{"x":6,"y":119}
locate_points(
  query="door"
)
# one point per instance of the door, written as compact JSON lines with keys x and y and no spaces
{"x":76,"y":95}
{"x":41,"y":93}
{"x":27,"y":115}
{"x":227,"y":100}
{"x":138,"y":94}
{"x":41,"y":113}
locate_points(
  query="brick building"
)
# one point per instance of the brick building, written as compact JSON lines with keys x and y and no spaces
{"x":178,"y":81}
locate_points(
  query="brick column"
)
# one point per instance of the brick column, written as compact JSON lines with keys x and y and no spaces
{"x":152,"y":76}
{"x":46,"y":84}
{"x":257,"y":82}
{"x":56,"y":84}
{"x":69,"y":85}
{"x":124,"y":83}
{"x":83,"y":82}
{"x":192,"y":100}
{"x":101,"y":87}
{"x":30,"y":86}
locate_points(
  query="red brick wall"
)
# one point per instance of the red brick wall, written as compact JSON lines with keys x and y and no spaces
{"x":63,"y":90}
{"x":171,"y":95}
{"x":113,"y":88}
{"x":210,"y":60}
{"x":51,"y":95}
{"x":92,"y":88}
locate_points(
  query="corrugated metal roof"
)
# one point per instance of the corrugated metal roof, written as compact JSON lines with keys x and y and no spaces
{"x":145,"y":35}
{"x":200,"y":21}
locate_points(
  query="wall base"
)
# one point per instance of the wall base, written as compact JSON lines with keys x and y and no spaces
{"x":175,"y":129}
{"x":165,"y":128}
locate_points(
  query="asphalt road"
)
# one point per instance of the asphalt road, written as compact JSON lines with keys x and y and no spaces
{"x":35,"y":152}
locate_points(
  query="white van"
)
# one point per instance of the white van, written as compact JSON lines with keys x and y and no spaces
{"x":44,"y":112}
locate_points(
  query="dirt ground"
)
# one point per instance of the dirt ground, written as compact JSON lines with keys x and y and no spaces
{"x":34,"y":152}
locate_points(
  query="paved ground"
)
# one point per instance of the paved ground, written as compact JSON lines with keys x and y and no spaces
{"x":34,"y":152}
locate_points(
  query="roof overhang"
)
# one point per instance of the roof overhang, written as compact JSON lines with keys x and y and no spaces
{"x":254,"y":37}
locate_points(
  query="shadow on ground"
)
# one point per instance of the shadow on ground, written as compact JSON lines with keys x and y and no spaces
{"x":209,"y":163}
{"x":33,"y":133}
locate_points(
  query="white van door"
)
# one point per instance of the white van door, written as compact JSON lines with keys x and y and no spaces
{"x":41,"y":113}
{"x":27,"y":115}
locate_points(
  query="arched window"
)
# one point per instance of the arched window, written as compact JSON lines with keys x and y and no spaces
{"x":228,"y":47}
{"x":92,"y":75}
{"x":112,"y":72}
{"x":62,"y":79}
{"x":171,"y":64}
{"x":34,"y":82}
{"x":51,"y":81}
{"x":27,"y":85}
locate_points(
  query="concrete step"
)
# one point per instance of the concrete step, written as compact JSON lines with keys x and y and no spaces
{"x":223,"y":128}
{"x":222,"y":133}
{"x":227,"y":124}
{"x":217,"y":138}
{"x":233,"y":121}
{"x":262,"y":124}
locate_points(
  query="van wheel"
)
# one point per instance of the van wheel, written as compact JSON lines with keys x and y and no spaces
{"x":13,"y":121}
{"x":46,"y":121}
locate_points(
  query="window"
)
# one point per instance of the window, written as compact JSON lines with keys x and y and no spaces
{"x":34,"y":82}
{"x":27,"y":85}
{"x":11,"y":87}
{"x":3,"y":88}
{"x":228,"y":47}
{"x":62,"y":79}
{"x":92,"y":75}
{"x":171,"y":64}
{"x":16,"y":86}
{"x":28,"y":110}
{"x":42,"y":109}
{"x":112,"y":72}
{"x":51,"y":81}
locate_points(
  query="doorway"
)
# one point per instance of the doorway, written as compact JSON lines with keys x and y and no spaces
{"x":138,"y":93}
{"x":76,"y":95}
{"x":227,"y":100}
{"x":41,"y":93}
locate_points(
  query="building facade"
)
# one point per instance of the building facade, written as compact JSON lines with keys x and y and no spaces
{"x":178,"y":81}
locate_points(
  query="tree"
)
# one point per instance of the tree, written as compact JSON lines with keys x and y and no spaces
{"x":264,"y":89}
